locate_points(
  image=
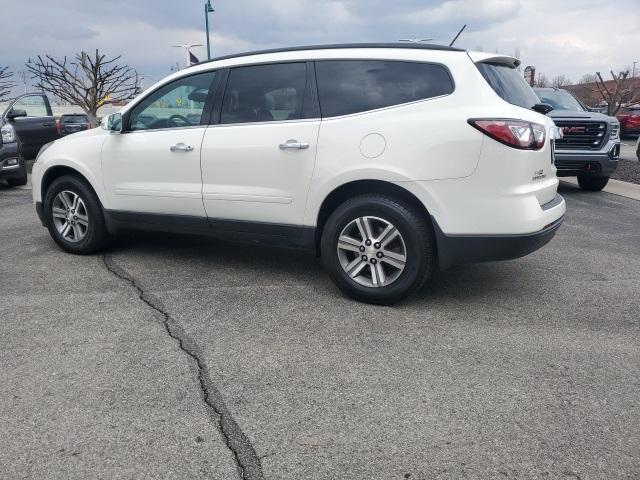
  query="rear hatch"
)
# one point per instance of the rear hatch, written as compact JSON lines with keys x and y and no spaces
{"x":520,"y":168}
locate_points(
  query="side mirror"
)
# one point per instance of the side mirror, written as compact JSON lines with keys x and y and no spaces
{"x":113,"y":123}
{"x":14,"y":113}
{"x":542,"y":108}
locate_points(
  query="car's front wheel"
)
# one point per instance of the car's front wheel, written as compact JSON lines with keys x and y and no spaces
{"x":378,"y":249}
{"x":73,"y":215}
{"x":592,"y":184}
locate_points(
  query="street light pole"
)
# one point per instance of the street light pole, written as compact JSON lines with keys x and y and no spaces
{"x":207,"y":9}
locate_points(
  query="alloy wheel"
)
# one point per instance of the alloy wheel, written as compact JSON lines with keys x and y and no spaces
{"x":371,"y":251}
{"x":70,"y":216}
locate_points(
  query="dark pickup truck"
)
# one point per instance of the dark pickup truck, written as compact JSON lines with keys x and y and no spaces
{"x":25,"y":126}
{"x":590,"y":146}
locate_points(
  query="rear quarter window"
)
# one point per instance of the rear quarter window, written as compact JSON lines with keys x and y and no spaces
{"x":353,"y":86}
{"x":509,"y":84}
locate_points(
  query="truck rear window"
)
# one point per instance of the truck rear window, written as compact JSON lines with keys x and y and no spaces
{"x":509,"y":84}
{"x":73,"y":119}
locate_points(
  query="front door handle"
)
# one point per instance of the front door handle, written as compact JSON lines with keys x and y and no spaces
{"x":293,"y":145}
{"x":47,"y":124}
{"x":180,"y":147}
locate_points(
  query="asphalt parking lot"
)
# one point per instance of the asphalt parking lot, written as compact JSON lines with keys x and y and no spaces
{"x":185,"y":357}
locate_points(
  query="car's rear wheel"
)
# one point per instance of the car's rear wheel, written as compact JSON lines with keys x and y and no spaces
{"x":592,"y":184}
{"x":73,"y":215}
{"x":378,"y":249}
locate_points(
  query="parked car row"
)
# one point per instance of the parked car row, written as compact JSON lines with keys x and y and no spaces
{"x":389,"y":160}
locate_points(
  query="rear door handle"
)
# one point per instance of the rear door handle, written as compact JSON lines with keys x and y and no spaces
{"x":293,"y":145}
{"x":47,"y":124}
{"x":180,"y":147}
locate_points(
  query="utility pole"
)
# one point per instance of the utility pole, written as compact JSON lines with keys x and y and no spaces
{"x":207,"y":10}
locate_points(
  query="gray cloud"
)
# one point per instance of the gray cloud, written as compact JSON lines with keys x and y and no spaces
{"x":559,"y":37}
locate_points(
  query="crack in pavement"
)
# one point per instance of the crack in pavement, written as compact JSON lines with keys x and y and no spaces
{"x":245,"y":456}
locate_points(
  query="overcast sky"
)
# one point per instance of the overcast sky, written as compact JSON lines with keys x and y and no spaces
{"x":558,"y":37}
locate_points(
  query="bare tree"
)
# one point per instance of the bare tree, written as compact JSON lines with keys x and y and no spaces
{"x":5,"y":83}
{"x":560,"y":81}
{"x":588,"y":78}
{"x":88,"y":81}
{"x":542,"y":81}
{"x":617,"y":92}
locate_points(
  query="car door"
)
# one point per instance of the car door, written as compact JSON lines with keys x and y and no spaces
{"x":258,"y":157}
{"x":153,"y":166}
{"x":37,"y":127}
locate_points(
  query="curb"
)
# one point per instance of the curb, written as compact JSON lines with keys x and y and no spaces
{"x":616,"y":187}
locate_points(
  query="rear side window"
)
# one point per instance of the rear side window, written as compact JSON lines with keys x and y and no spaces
{"x":352,"y":86}
{"x":265,"y":93}
{"x":509,"y":84}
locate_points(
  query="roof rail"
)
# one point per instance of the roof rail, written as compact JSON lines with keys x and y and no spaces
{"x":416,"y":46}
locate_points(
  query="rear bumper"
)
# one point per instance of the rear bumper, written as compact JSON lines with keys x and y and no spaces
{"x":460,"y":249}
{"x":575,"y":162}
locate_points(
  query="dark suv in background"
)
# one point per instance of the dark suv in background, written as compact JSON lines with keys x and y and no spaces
{"x":25,"y":126}
{"x":590,"y":146}
{"x":72,"y":123}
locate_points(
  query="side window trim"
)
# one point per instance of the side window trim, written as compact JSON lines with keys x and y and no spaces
{"x":216,"y":111}
{"x":206,"y":112}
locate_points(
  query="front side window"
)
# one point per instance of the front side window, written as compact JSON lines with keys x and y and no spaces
{"x":178,"y":104}
{"x":352,"y":86}
{"x":265,"y":93}
{"x":34,"y":105}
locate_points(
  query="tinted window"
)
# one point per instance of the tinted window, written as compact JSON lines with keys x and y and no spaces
{"x":351,"y":86}
{"x":509,"y":84}
{"x":265,"y":93}
{"x":73,"y":119}
{"x":176,"y":105}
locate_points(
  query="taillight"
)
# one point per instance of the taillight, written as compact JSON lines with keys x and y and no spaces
{"x":515,"y":133}
{"x":58,"y":127}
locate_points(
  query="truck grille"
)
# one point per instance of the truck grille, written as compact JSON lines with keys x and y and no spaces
{"x":581,"y":135}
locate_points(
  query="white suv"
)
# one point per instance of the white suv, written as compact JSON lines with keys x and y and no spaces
{"x":390,"y":160}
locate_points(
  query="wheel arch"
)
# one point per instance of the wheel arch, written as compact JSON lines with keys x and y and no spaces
{"x":351,"y":189}
{"x":58,"y":171}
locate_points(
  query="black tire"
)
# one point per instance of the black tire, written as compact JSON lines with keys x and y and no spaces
{"x":416,"y":233}
{"x":21,"y":180}
{"x":96,"y":236}
{"x":592,"y":184}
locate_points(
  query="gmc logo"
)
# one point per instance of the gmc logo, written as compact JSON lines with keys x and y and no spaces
{"x":570,"y":130}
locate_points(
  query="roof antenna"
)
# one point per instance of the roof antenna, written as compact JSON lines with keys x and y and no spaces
{"x":456,"y":37}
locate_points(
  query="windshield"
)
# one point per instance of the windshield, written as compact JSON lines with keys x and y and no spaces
{"x":509,"y":84}
{"x":560,"y":100}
